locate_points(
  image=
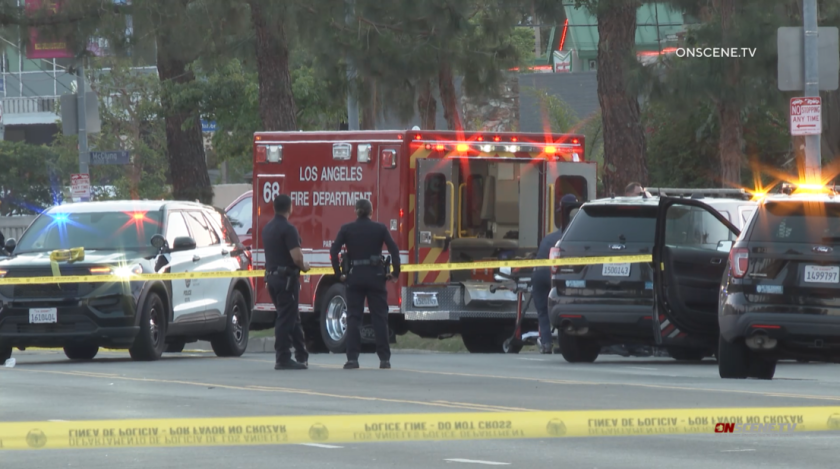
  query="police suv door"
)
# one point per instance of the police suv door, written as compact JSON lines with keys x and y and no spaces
{"x":184,"y":309}
{"x":566,"y":177}
{"x":690,"y":254}
{"x":436,"y":213}
{"x":212,"y":257}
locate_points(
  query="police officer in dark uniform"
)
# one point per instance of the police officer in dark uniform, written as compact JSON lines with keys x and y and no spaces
{"x":541,"y":283}
{"x":283,"y":264}
{"x":366,"y":279}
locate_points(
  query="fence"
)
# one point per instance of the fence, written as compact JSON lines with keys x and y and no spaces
{"x":13,"y":227}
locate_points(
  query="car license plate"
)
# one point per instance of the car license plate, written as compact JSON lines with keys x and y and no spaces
{"x":43,"y":316}
{"x":822,"y":274}
{"x":425,"y":300}
{"x":616,"y":270}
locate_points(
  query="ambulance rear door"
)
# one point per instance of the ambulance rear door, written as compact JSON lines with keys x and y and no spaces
{"x":437,"y":180}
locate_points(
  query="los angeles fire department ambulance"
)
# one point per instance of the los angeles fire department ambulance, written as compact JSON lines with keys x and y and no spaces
{"x":445,"y":196}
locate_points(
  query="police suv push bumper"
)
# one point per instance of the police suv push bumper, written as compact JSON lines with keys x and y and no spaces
{"x":458,"y":301}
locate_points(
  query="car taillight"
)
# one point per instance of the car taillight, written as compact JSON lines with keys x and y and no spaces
{"x":554,"y":254}
{"x":739,"y":261}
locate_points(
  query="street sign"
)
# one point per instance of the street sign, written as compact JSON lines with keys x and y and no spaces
{"x":208,"y":126}
{"x":791,"y":62}
{"x":80,"y":186}
{"x":110,"y":157}
{"x":806,"y":116}
{"x":562,"y":61}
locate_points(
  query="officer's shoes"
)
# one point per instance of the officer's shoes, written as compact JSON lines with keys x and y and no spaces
{"x":545,"y":349}
{"x":290,"y":365}
{"x":384,"y":365}
{"x":351,"y":365}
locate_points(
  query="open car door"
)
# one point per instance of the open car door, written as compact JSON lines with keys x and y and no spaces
{"x":690,"y":255}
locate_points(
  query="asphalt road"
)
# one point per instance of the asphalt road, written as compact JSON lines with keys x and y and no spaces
{"x":46,"y":386}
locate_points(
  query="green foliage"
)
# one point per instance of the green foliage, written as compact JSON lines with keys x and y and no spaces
{"x":25,"y":179}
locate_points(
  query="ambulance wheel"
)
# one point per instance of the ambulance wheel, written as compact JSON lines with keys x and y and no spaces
{"x":334,"y":319}
{"x":579,"y":349}
{"x":482,"y":343}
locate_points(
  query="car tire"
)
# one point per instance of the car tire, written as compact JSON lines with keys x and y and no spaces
{"x":176,"y":347}
{"x":334,"y":319}
{"x":687,"y":354}
{"x":482,"y":343}
{"x":761,"y":368}
{"x":579,"y":349}
{"x":5,"y":354}
{"x":733,"y":359}
{"x":81,"y":352}
{"x":151,"y":340}
{"x":233,"y":341}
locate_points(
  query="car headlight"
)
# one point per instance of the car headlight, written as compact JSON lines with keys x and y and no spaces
{"x":128,"y":270}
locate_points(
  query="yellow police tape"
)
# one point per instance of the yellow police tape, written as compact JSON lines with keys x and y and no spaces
{"x":233,"y":431}
{"x":528,"y":263}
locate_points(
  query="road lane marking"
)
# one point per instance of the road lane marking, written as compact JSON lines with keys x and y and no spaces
{"x":319,"y":445}
{"x":257,"y":388}
{"x":476,"y":461}
{"x":736,"y":450}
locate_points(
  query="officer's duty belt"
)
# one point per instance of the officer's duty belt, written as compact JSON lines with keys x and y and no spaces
{"x":284,"y":271}
{"x":366,"y":262}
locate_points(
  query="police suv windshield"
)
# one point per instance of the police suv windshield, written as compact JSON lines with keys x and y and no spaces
{"x":91,"y":230}
{"x":613,"y":223}
{"x":812,"y":222}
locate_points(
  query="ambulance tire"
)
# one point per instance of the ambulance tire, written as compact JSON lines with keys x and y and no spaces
{"x":579,"y":349}
{"x":333,"y":320}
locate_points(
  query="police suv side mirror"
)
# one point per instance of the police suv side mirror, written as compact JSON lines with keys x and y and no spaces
{"x":724,"y":246}
{"x":183,"y":243}
{"x":10,"y":245}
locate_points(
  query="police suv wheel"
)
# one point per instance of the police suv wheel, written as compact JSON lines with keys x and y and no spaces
{"x":579,"y":349}
{"x":151,"y":341}
{"x":81,"y":352}
{"x":761,"y":368}
{"x":176,"y":347}
{"x":233,"y":341}
{"x":733,"y":359}
{"x":334,"y":318}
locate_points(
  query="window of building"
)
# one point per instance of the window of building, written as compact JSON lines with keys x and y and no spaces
{"x":434,"y":200}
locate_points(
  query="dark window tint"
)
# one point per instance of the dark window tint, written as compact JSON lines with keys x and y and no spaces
{"x":575,"y":185}
{"x":474,"y":198}
{"x":797,"y":222}
{"x":613,"y":224}
{"x":434,"y":200}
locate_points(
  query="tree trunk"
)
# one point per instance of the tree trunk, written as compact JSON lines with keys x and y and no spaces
{"x":277,"y":103}
{"x":730,"y":141}
{"x":184,"y":145}
{"x":624,"y":138}
{"x":449,"y":98}
{"x":426,"y":105}
{"x":369,"y":105}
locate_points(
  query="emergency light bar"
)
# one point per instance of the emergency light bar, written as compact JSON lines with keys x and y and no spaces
{"x":269,"y":153}
{"x":503,"y":147}
{"x":789,"y":188}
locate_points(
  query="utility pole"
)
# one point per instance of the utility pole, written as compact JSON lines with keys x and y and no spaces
{"x":352,"y":101}
{"x":813,"y":170}
{"x":84,"y":156}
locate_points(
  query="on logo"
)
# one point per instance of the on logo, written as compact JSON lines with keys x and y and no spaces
{"x":725,"y":427}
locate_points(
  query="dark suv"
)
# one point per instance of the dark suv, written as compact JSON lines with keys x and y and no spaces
{"x":608,"y":304}
{"x":780,"y":297}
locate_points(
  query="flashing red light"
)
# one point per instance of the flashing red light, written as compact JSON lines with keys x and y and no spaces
{"x":428,"y":146}
{"x":514,"y":139}
{"x":402,"y":212}
{"x":497,"y":139}
{"x":765,"y":326}
{"x":417,"y":136}
{"x":399,"y":136}
{"x":575,"y":141}
{"x":440,"y":147}
{"x":258,"y":138}
{"x":462,"y":147}
{"x":139,"y":216}
{"x":550,"y":150}
{"x":480,"y":138}
{"x":260,"y":153}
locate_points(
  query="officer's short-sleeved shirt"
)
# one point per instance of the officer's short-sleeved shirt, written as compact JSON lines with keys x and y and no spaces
{"x":279,"y":238}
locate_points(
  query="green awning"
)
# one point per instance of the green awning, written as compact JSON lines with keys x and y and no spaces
{"x":583,"y":28}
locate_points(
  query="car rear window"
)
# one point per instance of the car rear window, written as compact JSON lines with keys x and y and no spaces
{"x":613,"y":223}
{"x":797,"y":222}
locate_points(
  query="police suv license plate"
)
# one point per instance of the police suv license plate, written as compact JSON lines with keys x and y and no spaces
{"x":425,"y":300}
{"x":616,"y":270}
{"x":822,"y":274}
{"x":43,"y":316}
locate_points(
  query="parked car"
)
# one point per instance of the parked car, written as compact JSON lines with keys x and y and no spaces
{"x":602,"y":305}
{"x":775,"y":294}
{"x":145,"y":317}
{"x":241,"y":213}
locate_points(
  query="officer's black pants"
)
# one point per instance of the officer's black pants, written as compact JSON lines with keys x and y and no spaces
{"x":377,"y":299}
{"x":288,"y":330}
{"x":540,"y":294}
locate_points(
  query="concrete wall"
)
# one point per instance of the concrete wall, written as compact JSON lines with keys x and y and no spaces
{"x":224,"y":194}
{"x":13,"y":227}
